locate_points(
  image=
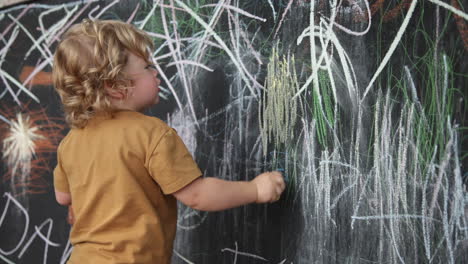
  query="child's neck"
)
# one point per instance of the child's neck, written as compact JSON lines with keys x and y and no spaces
{"x":125,"y":105}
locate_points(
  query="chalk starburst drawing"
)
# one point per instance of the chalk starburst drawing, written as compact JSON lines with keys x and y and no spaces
{"x":19,"y":146}
{"x":29,"y":143}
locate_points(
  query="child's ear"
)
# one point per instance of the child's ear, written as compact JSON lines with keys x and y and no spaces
{"x":113,"y":93}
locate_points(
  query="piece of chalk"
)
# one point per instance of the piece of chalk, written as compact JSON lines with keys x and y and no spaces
{"x":286,"y":179}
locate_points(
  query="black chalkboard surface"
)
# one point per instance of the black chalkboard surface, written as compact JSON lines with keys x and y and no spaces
{"x":361,"y":104}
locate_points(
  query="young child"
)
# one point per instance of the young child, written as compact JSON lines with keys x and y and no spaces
{"x":123,"y":170}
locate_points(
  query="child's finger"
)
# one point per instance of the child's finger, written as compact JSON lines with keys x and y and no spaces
{"x":71,"y":217}
{"x":279,"y":190}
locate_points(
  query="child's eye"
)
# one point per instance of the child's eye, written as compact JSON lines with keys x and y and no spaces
{"x":151,"y":66}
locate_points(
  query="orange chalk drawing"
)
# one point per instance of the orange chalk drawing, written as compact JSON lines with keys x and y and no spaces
{"x":51,"y":130}
{"x":461,"y":25}
{"x":40,"y":78}
{"x":400,"y":8}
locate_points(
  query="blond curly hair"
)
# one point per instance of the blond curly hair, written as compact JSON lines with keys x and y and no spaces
{"x":91,"y":54}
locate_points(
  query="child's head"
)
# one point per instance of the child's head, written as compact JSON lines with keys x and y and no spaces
{"x":100,"y":66}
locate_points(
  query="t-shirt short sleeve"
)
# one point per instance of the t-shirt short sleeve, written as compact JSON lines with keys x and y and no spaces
{"x":171,"y":165}
{"x":60,"y":178}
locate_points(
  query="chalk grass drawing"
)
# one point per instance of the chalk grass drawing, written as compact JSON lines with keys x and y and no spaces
{"x":371,"y":151}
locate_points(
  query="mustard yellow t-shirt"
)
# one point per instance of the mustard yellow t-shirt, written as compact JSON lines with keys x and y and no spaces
{"x":120,"y":173}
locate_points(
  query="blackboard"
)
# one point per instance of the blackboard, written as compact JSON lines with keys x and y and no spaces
{"x":362,"y":105}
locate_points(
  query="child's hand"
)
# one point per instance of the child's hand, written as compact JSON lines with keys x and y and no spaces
{"x":269,"y":185}
{"x":71,"y":215}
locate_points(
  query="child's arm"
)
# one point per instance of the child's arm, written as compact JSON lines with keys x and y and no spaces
{"x":212,"y":194}
{"x":71,"y":215}
{"x":63,"y":198}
